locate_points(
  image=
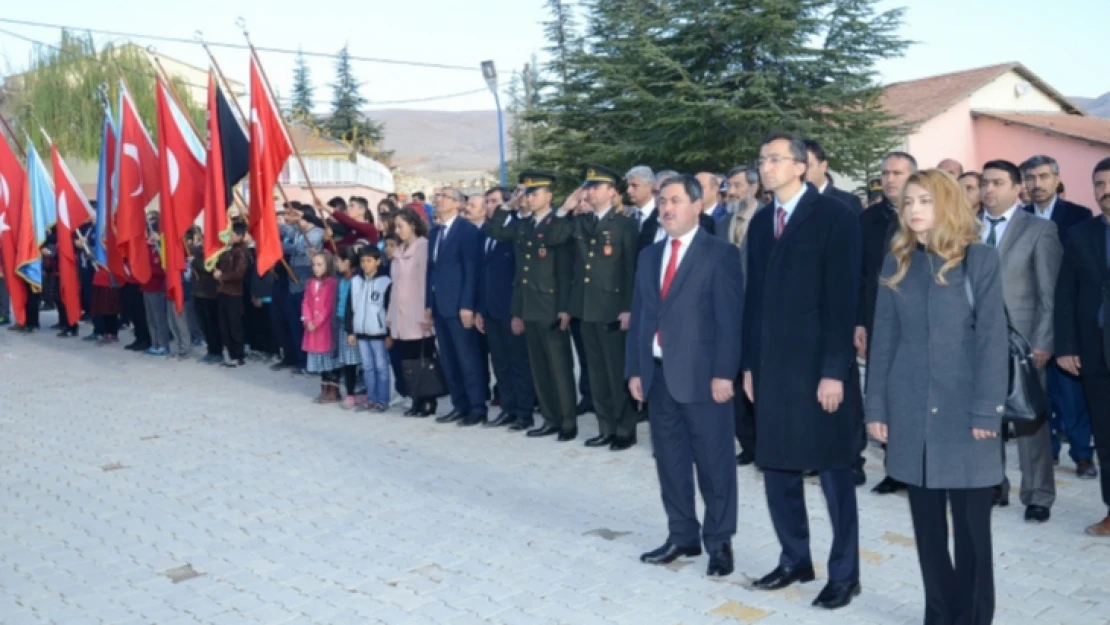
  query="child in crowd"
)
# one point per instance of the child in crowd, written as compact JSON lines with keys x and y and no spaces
{"x":365,"y":327}
{"x":318,"y":314}
{"x":347,"y":354}
{"x":391,"y":243}
{"x":231,"y":270}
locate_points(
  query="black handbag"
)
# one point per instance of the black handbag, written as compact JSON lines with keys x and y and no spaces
{"x":1026,"y":401}
{"x":423,"y":376}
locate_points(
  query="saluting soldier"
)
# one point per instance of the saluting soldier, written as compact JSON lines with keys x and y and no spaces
{"x":606,"y":243}
{"x":541,"y":298}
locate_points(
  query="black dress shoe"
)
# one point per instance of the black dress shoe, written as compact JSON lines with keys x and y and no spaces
{"x":451,"y":417}
{"x":416,"y":409}
{"x":428,"y":408}
{"x":621,"y":443}
{"x":887,"y":486}
{"x":584,"y":407}
{"x":568,"y":434}
{"x":522,"y":423}
{"x":474,"y":419}
{"x":544,"y":430}
{"x":837,"y":595}
{"x":669,"y":553}
{"x":745,"y":458}
{"x":139,"y":347}
{"x":599,"y":441}
{"x":859,"y":475}
{"x":1037,"y":514}
{"x":1001,"y":496}
{"x":783,"y":577}
{"x":720,"y":562}
{"x":502,"y":419}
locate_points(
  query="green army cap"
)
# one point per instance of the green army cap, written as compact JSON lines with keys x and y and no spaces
{"x":535,"y":179}
{"x":599,"y":174}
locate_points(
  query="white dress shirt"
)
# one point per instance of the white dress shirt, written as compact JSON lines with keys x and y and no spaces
{"x":1046,"y":213}
{"x":686,"y":239}
{"x":642,"y":212}
{"x":1000,"y":229}
{"x":444,"y":229}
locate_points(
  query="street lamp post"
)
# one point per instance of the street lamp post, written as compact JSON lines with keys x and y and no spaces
{"x":489,"y":72}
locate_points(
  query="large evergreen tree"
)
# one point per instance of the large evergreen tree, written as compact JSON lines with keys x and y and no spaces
{"x":301,"y":106}
{"x":694,"y":84}
{"x":347,"y":121}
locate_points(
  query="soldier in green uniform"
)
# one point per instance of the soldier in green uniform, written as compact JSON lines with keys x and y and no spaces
{"x":601,"y":297}
{"x":541,"y":298}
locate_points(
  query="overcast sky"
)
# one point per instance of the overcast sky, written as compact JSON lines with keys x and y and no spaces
{"x":1059,"y":41}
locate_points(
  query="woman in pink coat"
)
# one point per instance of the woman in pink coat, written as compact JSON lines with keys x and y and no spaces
{"x":405,"y":317}
{"x":318,"y":316}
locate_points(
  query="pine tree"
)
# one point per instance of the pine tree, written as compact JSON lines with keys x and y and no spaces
{"x":301,"y":106}
{"x":694,"y":84}
{"x":347,"y":122}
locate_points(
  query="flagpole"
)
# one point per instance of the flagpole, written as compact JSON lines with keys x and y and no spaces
{"x":241,"y":23}
{"x":15,"y":139}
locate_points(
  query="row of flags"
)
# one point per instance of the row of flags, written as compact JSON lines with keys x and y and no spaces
{"x":191,"y":178}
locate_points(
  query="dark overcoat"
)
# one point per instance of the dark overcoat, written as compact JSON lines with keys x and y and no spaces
{"x":799,"y":318}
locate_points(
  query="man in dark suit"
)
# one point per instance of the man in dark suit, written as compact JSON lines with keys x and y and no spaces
{"x":799,"y":365}
{"x":541,"y":299}
{"x":651,"y":232}
{"x":454,"y":260}
{"x":817,"y":174}
{"x":1082,"y":314}
{"x":877,"y":226}
{"x":1070,"y":417}
{"x":683,"y":355}
{"x":508,"y":351}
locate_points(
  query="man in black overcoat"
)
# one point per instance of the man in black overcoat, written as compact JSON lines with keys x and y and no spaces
{"x":799,"y":365}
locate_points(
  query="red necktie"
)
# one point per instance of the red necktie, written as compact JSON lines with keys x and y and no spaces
{"x":668,"y":277}
{"x":780,"y":221}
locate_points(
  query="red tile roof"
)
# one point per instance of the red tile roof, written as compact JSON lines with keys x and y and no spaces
{"x":1093,"y":129}
{"x":917,"y":101}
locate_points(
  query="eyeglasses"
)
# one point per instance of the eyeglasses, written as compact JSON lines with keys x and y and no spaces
{"x":774,"y":160}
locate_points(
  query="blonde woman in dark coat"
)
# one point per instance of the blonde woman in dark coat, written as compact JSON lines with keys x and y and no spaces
{"x":938,"y":382}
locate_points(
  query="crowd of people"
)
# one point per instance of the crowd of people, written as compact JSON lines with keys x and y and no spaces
{"x":718,"y":308}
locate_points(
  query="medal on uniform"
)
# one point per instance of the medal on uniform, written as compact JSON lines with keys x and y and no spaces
{"x":543,"y":252}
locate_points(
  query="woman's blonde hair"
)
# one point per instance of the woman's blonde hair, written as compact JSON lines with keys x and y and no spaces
{"x":954,"y":229}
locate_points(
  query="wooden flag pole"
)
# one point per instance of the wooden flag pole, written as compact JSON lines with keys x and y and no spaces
{"x":241,"y":23}
{"x":15,"y":139}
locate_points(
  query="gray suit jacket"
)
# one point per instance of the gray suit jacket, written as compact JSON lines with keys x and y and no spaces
{"x":1031,"y":253}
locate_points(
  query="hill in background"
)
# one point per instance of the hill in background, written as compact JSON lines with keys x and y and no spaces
{"x":1099,"y":107}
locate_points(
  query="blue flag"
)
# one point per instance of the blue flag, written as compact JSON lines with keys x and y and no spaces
{"x":103,"y":199}
{"x":44,"y":214}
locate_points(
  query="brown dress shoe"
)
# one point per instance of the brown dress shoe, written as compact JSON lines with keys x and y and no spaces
{"x":1102,"y":528}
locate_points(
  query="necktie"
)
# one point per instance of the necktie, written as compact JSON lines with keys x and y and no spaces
{"x":439,"y":239}
{"x":668,"y":277}
{"x":992,"y":236}
{"x":780,"y":221}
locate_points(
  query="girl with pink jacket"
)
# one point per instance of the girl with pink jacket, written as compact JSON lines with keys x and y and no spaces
{"x":318,"y":315}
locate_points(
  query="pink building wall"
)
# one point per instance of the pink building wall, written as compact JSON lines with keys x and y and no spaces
{"x":1015,"y":143}
{"x":948,"y":135}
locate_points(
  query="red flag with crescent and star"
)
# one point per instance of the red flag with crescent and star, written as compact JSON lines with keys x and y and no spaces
{"x":12,"y":183}
{"x":182,"y":176}
{"x":270,"y":147}
{"x":138,"y":186}
{"x":73,"y":211}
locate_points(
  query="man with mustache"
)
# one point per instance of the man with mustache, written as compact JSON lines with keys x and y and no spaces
{"x":1082,"y":309}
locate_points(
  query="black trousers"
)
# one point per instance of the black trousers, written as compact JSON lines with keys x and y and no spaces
{"x":132,"y":298}
{"x":688,"y":438}
{"x":208,"y":316}
{"x":34,"y":300}
{"x":259,"y":329}
{"x":231,"y":324}
{"x":509,"y":354}
{"x":787,"y":504}
{"x":604,"y":349}
{"x":961,"y":593}
{"x":1096,"y":388}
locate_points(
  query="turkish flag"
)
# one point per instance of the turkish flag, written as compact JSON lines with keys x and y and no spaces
{"x":270,"y":147}
{"x":137,"y":165}
{"x":182,"y":176}
{"x":12,"y":184}
{"x":73,"y":211}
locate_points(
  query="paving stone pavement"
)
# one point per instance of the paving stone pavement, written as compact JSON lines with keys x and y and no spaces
{"x":119,"y":472}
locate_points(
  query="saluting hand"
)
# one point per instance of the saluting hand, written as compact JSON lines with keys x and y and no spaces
{"x":830,"y":393}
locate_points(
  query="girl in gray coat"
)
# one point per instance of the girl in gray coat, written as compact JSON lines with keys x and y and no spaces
{"x":938,"y":377}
